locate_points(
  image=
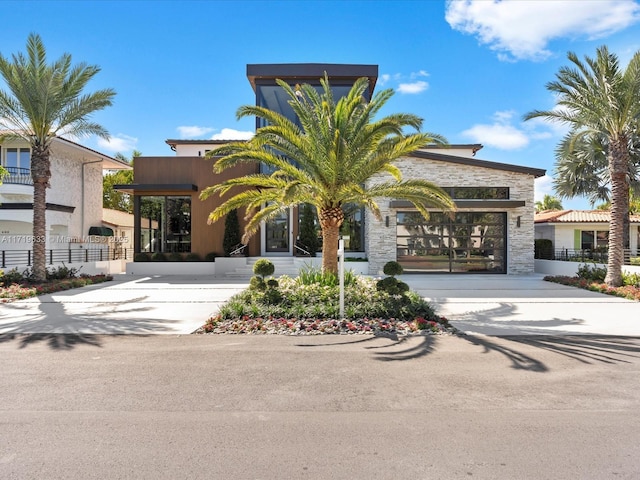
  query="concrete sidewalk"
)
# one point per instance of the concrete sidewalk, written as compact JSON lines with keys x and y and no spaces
{"x":179,"y":304}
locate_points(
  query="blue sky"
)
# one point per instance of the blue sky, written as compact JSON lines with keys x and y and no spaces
{"x":470,"y":68}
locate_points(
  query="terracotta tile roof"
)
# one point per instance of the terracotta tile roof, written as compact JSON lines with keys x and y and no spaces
{"x":577,"y":216}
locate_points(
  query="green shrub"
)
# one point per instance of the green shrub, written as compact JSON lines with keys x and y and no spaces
{"x":211,"y":257}
{"x":392,"y":268}
{"x":257,"y":283}
{"x":193,"y":257}
{"x":592,"y":272}
{"x":308,"y":229}
{"x":11,"y":277}
{"x":264,"y":268}
{"x":272,"y":283}
{"x":142,"y":257}
{"x":231,"y":232}
{"x":313,"y":275}
{"x":62,"y":272}
{"x":175,"y":257}
{"x":543,"y":248}
{"x":356,"y":259}
{"x":632,"y":279}
{"x":158,"y":257}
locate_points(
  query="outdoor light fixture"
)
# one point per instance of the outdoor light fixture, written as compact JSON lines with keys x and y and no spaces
{"x":386,"y":221}
{"x":518,"y":221}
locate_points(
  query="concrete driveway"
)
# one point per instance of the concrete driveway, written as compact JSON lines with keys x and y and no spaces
{"x":525,"y":305}
{"x":176,"y":304}
{"x":476,"y":304}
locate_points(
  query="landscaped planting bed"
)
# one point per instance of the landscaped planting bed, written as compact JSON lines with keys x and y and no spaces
{"x":309,"y":305}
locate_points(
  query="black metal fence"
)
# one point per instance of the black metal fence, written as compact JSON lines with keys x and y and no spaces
{"x":18,"y":175}
{"x":575,"y":255}
{"x":76,"y":255}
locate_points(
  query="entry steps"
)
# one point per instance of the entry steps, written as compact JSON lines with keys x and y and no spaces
{"x":284,"y":266}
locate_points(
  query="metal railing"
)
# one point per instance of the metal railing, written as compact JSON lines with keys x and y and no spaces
{"x":18,"y":176}
{"x":9,"y":258}
{"x":580,"y":255}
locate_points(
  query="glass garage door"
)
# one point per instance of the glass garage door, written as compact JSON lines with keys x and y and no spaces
{"x":468,"y":242}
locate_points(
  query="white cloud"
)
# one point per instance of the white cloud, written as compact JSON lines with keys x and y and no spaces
{"x":120,"y":143}
{"x":543,"y":186}
{"x":231,"y":134}
{"x":193,"y":131}
{"x":384,"y":78}
{"x":500,"y":134}
{"x":522,"y":29}
{"x":415,"y":87}
{"x":421,"y":73}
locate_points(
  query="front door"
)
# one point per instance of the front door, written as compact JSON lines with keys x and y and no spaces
{"x":277,"y":234}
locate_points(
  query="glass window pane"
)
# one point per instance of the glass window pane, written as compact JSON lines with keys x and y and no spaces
{"x":11,"y":157}
{"x":587,"y":240}
{"x":25,"y":158}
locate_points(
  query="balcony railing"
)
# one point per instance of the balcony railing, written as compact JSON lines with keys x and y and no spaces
{"x":18,"y":176}
{"x":9,"y":258}
{"x":575,"y":255}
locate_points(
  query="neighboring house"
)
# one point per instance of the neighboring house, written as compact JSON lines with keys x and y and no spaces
{"x":492,"y":231}
{"x":74,"y":199}
{"x":582,"y":229}
{"x":121,"y":225}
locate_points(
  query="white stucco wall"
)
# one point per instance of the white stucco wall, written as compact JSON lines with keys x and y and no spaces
{"x":71,"y":185}
{"x":381,"y":240}
{"x":563,"y":236}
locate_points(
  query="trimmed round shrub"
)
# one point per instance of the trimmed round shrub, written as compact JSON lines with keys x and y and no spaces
{"x":142,"y":257}
{"x":387,"y":284}
{"x":174,"y":257}
{"x":158,"y":257}
{"x":402,"y":287}
{"x":263,"y":267}
{"x":272,"y":283}
{"x":257,"y":283}
{"x":211,"y":257}
{"x":392,"y":268}
{"x":193,"y":257}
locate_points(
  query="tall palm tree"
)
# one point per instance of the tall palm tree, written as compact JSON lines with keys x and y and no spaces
{"x":44,"y":101}
{"x":549,"y":202}
{"x":601,"y":103}
{"x":328,"y":162}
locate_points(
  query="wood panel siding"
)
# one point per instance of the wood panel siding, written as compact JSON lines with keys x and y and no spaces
{"x":197,"y":171}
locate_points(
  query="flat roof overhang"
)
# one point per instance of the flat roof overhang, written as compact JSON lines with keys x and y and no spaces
{"x":139,"y":188}
{"x":306,"y":72}
{"x":54,"y":207}
{"x":468,"y":204}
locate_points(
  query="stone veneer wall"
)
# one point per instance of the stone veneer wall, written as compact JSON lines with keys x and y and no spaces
{"x":381,"y":240}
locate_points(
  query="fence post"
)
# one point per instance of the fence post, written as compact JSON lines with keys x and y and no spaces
{"x":50,"y":256}
{"x":28,"y":258}
{"x":3,"y":259}
{"x":86,"y":256}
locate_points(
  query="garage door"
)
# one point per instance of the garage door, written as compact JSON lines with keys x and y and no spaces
{"x":468,"y":242}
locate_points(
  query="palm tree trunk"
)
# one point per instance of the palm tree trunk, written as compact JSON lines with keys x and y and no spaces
{"x":41,"y":173}
{"x":330,"y":221}
{"x":618,"y":168}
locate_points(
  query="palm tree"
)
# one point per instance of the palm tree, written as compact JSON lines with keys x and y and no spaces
{"x":44,"y":101}
{"x":335,"y":158}
{"x":601,"y":103}
{"x":549,"y":202}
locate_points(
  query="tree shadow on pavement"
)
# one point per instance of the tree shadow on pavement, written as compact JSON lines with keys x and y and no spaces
{"x":55,"y":341}
{"x":587,"y":349}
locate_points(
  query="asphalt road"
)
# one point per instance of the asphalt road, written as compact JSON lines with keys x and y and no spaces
{"x":330,"y":407}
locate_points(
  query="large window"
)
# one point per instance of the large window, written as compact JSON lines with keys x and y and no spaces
{"x":165,"y":224}
{"x":15,"y":158}
{"x":469,"y":242}
{"x":594,"y":239}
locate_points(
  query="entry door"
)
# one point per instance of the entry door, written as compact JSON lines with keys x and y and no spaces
{"x":277,"y":234}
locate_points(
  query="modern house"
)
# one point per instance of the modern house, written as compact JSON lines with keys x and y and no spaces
{"x":582,"y":229}
{"x":74,"y":201}
{"x":492,"y":230}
